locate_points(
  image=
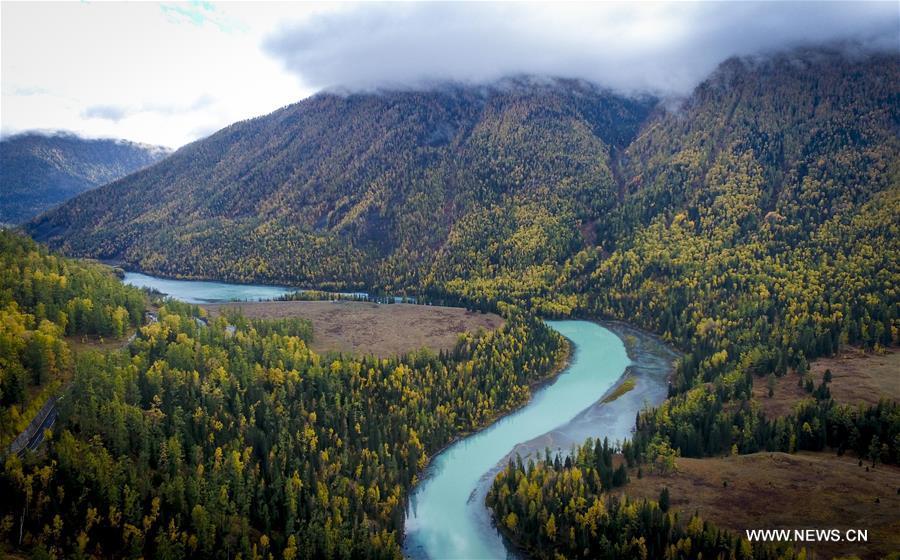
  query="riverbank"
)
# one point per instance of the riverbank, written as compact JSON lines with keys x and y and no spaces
{"x":651,"y":368}
{"x":561,"y":364}
{"x":446,"y":512}
{"x":133,"y":268}
{"x":652,"y":365}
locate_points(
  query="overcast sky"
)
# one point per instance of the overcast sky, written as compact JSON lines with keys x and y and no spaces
{"x":169,"y":73}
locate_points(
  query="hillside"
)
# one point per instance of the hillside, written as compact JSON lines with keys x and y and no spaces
{"x":39,"y":171}
{"x":774,"y":196}
{"x":407,"y":189}
{"x":364,"y":189}
{"x":757,"y":222}
{"x":759,"y":229}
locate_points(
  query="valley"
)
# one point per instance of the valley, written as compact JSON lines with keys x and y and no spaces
{"x":616,"y":294}
{"x":339,"y":325}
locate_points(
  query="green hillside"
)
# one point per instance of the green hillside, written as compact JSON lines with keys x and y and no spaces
{"x":760,"y":230}
{"x":364,"y":189}
{"x":755,"y":226}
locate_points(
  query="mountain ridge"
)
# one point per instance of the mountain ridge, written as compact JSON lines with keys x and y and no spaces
{"x":338,"y":171}
{"x":39,"y":170}
{"x":395,"y":190}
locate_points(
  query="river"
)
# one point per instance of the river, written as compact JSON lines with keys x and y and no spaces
{"x":446,"y":515}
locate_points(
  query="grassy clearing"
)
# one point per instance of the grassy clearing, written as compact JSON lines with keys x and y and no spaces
{"x":370,"y":328}
{"x":84,"y":343}
{"x":858,"y":377}
{"x":786,"y":491}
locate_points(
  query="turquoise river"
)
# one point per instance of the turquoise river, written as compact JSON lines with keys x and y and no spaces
{"x":446,"y":515}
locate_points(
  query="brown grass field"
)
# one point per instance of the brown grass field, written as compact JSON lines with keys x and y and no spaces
{"x":858,"y":377}
{"x":370,"y":328}
{"x":861,"y":377}
{"x":804,"y":490}
{"x":784,"y":491}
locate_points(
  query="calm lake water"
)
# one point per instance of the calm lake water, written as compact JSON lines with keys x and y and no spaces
{"x":446,"y":516}
{"x":198,"y":291}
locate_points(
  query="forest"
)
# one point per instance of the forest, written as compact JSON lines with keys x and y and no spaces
{"x":363,"y":191}
{"x":46,"y":300}
{"x":787,"y":247}
{"x":199,"y":441}
{"x":554,"y":510}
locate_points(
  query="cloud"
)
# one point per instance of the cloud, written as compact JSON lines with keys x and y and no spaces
{"x":647,"y":47}
{"x":144,"y":71}
{"x":116,"y":113}
{"x":201,"y":102}
{"x":139,"y":70}
{"x":108,"y":112}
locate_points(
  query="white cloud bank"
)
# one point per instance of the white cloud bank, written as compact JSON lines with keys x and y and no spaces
{"x":647,"y":47}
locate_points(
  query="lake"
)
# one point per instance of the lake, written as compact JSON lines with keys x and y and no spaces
{"x":208,"y":291}
{"x":201,"y":291}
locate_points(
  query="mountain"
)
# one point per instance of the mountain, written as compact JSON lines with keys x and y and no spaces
{"x":39,"y":171}
{"x":759,"y":229}
{"x":762,"y":220}
{"x":487,"y":190}
{"x":365,"y":189}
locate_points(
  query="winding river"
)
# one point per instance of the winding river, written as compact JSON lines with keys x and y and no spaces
{"x":446,"y":515}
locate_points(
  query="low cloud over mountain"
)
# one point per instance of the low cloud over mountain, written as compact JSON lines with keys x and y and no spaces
{"x":661,"y":48}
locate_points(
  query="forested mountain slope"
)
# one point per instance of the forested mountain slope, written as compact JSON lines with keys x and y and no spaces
{"x":760,"y":228}
{"x":39,"y":171}
{"x":769,"y":204}
{"x":488,"y":190}
{"x":756,"y":227}
{"x":365,"y":189}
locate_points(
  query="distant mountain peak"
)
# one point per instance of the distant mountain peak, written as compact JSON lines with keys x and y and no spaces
{"x":41,"y":169}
